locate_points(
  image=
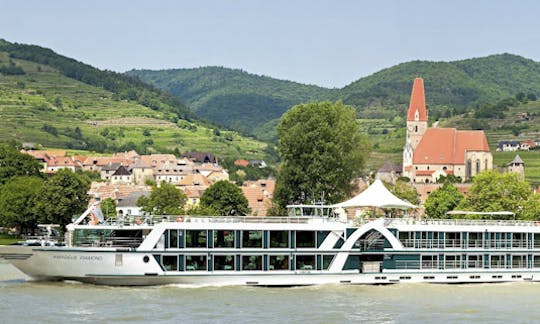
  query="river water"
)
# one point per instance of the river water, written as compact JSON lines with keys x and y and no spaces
{"x":24,"y":301}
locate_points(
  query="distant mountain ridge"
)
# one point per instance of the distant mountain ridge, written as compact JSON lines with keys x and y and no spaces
{"x":248,"y":102}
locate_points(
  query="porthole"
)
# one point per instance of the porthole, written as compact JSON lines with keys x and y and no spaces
{"x":146,"y":259}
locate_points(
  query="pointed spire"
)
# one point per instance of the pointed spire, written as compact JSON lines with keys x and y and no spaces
{"x":418,"y":102}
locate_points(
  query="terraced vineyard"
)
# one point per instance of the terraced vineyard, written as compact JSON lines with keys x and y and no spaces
{"x":46,"y":107}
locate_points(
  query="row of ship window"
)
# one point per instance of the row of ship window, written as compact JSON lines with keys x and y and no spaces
{"x":495,"y":261}
{"x":230,"y":262}
{"x":433,"y":240}
{"x":238,"y":239}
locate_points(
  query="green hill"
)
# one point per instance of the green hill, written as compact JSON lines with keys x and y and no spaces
{"x":232,"y":98}
{"x":56,"y":101}
{"x":252,"y":103}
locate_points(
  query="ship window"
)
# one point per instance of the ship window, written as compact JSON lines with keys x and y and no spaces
{"x":452,"y":261}
{"x":519,"y":261}
{"x":327,"y":260}
{"x":497,"y":261}
{"x":280,"y":239}
{"x":305,"y":262}
{"x":474,"y":261}
{"x":169,"y":262}
{"x":223,"y":262}
{"x":429,"y":261}
{"x":252,"y":239}
{"x":195,"y":262}
{"x":224,"y":239}
{"x":195,"y":238}
{"x":252,"y":262}
{"x":278,"y":262}
{"x":305,"y":239}
{"x":173,"y":239}
{"x":536,"y":261}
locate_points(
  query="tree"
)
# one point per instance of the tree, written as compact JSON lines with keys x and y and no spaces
{"x":63,"y":196}
{"x":165,"y":199}
{"x":224,"y":198}
{"x":17,"y":201}
{"x":443,"y":200}
{"x":531,"y":208}
{"x":405,"y":191}
{"x":13,"y":163}
{"x":108,"y":207}
{"x":494,"y":191}
{"x":322,"y":151}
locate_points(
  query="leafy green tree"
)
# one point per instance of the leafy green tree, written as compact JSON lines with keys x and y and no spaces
{"x":17,"y":200}
{"x":224,"y":198}
{"x":322,"y":150}
{"x":404,"y":190}
{"x":13,"y":163}
{"x":531,"y":208}
{"x":165,"y":199}
{"x":108,"y":207}
{"x":63,"y":196}
{"x":494,"y":191}
{"x":443,"y":200}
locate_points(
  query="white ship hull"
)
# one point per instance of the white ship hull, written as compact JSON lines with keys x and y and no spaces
{"x":102,"y":268}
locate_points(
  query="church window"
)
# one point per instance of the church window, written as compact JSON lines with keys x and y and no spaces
{"x":444,"y":168}
{"x":477,"y":166}
{"x":468,"y":169}
{"x":416,"y":129}
{"x":486,"y":165}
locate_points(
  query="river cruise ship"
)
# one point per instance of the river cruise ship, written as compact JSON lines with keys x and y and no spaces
{"x":309,"y":247}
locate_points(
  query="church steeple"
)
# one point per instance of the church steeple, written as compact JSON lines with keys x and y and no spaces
{"x":417,"y":106}
{"x":417,"y":121}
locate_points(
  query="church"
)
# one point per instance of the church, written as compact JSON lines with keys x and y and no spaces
{"x":433,"y":152}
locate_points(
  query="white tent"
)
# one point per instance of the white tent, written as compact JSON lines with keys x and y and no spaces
{"x":375,"y":195}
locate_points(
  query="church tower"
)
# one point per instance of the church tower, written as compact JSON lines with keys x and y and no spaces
{"x":417,"y":121}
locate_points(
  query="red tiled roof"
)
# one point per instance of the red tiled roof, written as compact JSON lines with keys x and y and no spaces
{"x":242,"y":163}
{"x":448,"y":146}
{"x":418,"y":101}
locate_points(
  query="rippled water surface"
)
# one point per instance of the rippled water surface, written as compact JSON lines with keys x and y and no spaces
{"x":26,"y":301}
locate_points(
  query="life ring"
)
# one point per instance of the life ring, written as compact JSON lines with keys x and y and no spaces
{"x":179,"y":219}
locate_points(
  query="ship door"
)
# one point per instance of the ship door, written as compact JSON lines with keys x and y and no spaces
{"x":370,"y":263}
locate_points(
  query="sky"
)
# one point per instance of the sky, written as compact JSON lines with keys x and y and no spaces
{"x":327,"y":43}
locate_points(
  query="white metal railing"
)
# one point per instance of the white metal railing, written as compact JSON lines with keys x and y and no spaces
{"x":464,"y":244}
{"x":465,"y":222}
{"x":151,"y":220}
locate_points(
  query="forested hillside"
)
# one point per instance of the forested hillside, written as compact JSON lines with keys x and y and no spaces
{"x":233,"y":98}
{"x":57,"y":101}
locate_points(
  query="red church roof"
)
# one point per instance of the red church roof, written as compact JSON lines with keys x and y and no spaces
{"x":448,"y":146}
{"x":418,"y":101}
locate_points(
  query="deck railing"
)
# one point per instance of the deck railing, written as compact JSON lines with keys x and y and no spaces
{"x":462,"y":222}
{"x":468,"y":244}
{"x":152,"y":220}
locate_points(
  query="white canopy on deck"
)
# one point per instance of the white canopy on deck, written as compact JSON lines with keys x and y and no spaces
{"x":378,"y":196}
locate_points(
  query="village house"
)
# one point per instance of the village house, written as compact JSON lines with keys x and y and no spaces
{"x":517,"y":166}
{"x":389,"y":172}
{"x":433,"y":152}
{"x":127,"y":206}
{"x":122,"y":176}
{"x":259,"y":195}
{"x":142,"y":172}
{"x":64,"y":162}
